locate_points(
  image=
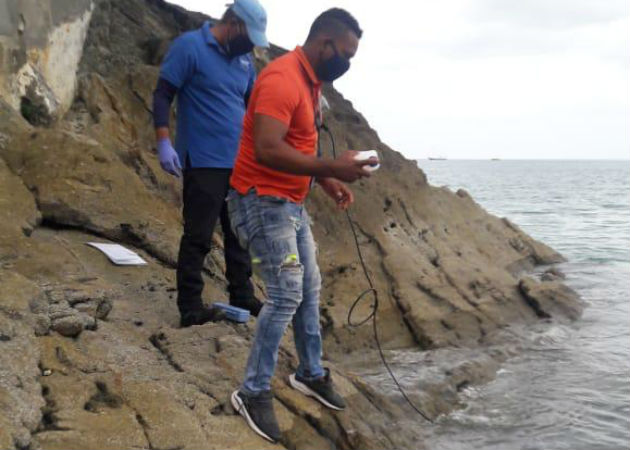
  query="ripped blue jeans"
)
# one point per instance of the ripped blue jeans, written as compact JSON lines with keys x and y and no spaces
{"x":277,"y":234}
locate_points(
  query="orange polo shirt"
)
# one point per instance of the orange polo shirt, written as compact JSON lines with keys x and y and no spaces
{"x":287,"y":90}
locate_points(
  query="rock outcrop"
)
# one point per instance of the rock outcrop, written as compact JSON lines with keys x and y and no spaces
{"x":90,"y":353}
{"x":39,"y":41}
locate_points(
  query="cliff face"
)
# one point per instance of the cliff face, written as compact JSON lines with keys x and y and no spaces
{"x":90,"y":356}
{"x":39,"y":40}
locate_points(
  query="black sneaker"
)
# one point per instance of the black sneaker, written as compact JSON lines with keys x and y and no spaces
{"x":252,"y":304}
{"x":320,"y":389}
{"x":258,"y":413}
{"x":201,"y":316}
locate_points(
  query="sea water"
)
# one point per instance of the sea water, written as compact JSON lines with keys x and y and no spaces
{"x":570,"y":386}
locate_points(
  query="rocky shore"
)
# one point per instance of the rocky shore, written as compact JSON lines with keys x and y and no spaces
{"x":90,"y":353}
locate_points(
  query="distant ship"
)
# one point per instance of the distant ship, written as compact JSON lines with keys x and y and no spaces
{"x":495,"y":159}
{"x":437,"y":158}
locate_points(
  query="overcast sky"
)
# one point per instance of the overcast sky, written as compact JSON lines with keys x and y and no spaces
{"x":512,"y":79}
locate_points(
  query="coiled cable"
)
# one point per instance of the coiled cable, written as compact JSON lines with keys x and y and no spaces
{"x":371,"y":290}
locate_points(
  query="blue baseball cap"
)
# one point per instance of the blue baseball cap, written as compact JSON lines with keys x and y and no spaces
{"x":253,"y":14}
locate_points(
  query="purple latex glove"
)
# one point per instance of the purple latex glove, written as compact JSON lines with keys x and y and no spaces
{"x":168,"y":157}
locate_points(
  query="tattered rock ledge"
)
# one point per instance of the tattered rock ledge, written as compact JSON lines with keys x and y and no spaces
{"x":90,"y":354}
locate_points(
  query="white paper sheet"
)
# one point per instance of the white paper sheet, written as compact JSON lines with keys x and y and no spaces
{"x":118,"y":254}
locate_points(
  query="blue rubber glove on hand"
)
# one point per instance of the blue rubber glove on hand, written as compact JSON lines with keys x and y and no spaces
{"x":168,"y":157}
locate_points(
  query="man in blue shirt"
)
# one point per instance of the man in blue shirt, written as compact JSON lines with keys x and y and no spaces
{"x":212,"y":73}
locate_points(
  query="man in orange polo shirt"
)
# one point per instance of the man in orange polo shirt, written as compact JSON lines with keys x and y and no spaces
{"x":271,"y":178}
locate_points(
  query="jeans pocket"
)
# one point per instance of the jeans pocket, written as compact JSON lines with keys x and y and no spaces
{"x":277,"y":214}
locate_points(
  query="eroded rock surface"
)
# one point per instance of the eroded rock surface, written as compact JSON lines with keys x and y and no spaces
{"x":90,"y":353}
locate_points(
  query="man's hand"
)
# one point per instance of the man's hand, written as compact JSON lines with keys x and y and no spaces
{"x":338,"y":191}
{"x":346,"y":168}
{"x":168,"y":157}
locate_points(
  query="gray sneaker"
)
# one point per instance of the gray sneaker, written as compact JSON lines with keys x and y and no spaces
{"x":321,"y":389}
{"x":258,"y":413}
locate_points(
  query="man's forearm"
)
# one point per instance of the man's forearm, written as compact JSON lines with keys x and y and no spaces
{"x":162,"y":133}
{"x":162,"y":99}
{"x":281,"y":156}
{"x":322,"y":180}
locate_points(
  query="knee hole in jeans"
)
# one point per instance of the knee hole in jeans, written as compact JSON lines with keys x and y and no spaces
{"x":291,"y":275}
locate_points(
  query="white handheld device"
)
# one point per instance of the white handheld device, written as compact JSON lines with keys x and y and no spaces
{"x":367,"y":154}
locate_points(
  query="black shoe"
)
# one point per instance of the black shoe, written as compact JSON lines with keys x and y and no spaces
{"x":258,"y":413}
{"x":201,"y":316}
{"x":252,"y":304}
{"x":321,"y":389}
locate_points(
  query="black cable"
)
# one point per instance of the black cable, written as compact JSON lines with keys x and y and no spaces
{"x":374,"y":305}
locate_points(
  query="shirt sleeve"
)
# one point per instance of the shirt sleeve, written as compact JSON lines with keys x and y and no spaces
{"x":180,"y":61}
{"x":162,"y":99}
{"x":276,"y":97}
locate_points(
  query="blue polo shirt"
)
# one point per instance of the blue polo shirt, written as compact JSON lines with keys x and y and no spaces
{"x":211,"y":92}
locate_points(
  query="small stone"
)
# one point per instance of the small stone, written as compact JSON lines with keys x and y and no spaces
{"x":103,"y":309}
{"x":58,"y":311}
{"x":69,"y":326}
{"x":41,"y":324}
{"x":46,"y":372}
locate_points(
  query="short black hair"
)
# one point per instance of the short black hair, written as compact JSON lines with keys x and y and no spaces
{"x":334,"y":21}
{"x":229,"y":14}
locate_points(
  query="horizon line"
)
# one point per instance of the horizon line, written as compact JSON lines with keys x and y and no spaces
{"x":432,"y":158}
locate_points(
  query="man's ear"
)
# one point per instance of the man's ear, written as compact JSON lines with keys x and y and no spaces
{"x":326,"y":44}
{"x":233,"y":23}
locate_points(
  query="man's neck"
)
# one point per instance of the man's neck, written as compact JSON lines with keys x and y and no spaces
{"x":311,"y":54}
{"x":219,"y":31}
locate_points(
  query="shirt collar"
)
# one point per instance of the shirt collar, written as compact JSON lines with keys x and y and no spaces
{"x":209,"y":37}
{"x":306,"y":65}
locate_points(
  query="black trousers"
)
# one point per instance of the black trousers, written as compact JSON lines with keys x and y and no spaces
{"x":205,"y":190}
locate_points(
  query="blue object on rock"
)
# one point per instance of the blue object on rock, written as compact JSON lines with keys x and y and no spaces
{"x":233,"y":313}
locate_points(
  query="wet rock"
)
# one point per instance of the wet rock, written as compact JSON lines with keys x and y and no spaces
{"x":553,"y":274}
{"x":551,"y":299}
{"x":463,"y":193}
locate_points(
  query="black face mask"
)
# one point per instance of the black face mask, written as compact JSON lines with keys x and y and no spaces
{"x":332,"y":68}
{"x":238,"y":45}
